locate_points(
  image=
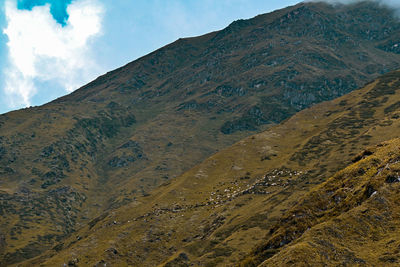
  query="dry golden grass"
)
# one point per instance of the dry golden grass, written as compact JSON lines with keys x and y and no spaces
{"x":351,"y":219}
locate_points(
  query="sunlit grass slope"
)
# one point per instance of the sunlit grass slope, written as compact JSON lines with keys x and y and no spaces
{"x":351,"y":219}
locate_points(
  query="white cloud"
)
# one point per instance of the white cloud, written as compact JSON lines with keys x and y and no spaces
{"x":42,"y":50}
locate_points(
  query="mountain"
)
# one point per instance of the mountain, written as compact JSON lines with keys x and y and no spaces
{"x":113,"y":141}
{"x":273,"y":198}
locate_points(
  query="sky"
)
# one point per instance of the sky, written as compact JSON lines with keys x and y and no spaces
{"x":49,"y":48}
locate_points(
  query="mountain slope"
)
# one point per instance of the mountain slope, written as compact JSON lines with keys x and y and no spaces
{"x":350,"y":219}
{"x":220,"y":211}
{"x":115,"y":139}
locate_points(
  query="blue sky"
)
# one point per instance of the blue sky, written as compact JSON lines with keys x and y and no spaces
{"x":49,"y":48}
{"x":58,"y":8}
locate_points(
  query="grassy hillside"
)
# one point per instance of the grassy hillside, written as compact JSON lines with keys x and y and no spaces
{"x":238,"y":205}
{"x":351,"y":219}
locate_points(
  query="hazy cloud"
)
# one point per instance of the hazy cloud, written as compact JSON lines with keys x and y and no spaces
{"x":40,"y":49}
{"x":390,"y":3}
